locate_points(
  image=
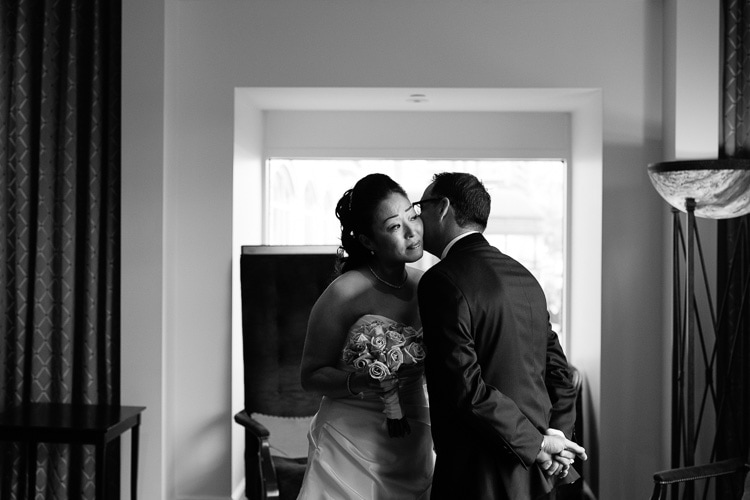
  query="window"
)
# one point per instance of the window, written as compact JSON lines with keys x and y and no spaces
{"x":527,"y":220}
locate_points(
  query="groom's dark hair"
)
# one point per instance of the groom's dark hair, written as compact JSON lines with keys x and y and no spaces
{"x":468,"y":196}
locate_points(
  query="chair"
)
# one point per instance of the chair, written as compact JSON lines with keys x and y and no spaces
{"x":735,"y":469}
{"x":279,"y":285}
{"x":268,"y":475}
{"x":580,"y":490}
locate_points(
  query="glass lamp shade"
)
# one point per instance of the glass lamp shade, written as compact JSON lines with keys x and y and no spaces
{"x":720,"y":188}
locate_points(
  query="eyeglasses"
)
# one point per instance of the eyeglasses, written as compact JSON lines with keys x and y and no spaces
{"x":418,"y":204}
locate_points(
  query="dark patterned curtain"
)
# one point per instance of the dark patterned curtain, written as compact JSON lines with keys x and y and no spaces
{"x":59,"y":223}
{"x":733,"y":342}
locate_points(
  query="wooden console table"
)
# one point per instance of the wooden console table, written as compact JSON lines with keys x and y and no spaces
{"x":96,"y":425}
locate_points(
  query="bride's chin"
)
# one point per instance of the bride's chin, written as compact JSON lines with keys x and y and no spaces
{"x":414,"y":256}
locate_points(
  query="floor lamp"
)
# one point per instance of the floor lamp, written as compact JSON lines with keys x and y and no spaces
{"x":712,"y":189}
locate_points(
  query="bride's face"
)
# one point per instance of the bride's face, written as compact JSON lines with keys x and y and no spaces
{"x":396,"y":230}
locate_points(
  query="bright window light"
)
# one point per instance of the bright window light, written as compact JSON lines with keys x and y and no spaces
{"x":527,"y":220}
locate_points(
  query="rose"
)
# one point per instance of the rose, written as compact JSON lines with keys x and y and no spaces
{"x":378,"y":370}
{"x":362,"y":362}
{"x":373,"y":330}
{"x":395,"y":338}
{"x":414,"y":353}
{"x":409,"y":332}
{"x":354,"y":351}
{"x":395,"y":358}
{"x":357,"y":348}
{"x":378,"y":342}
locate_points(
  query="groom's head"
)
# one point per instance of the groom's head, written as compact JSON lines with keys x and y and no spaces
{"x":452,"y":204}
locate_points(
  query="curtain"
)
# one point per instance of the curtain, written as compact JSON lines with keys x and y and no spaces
{"x":59,"y":223}
{"x":733,"y":333}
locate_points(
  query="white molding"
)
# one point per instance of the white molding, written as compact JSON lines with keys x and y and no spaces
{"x":584,"y":107}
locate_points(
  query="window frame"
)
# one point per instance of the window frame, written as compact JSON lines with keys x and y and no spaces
{"x":583,"y":108}
{"x":403,"y":169}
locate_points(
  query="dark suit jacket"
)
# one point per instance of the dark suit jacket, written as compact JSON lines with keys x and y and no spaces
{"x":496,"y":375}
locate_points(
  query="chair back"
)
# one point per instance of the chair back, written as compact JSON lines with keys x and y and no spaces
{"x":279,"y":286}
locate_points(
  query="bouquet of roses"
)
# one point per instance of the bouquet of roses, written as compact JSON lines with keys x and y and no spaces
{"x":381,"y":348}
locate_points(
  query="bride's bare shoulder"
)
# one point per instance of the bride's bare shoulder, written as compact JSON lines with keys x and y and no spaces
{"x":346,"y":287}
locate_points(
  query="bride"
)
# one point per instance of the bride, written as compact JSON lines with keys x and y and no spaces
{"x":357,"y":451}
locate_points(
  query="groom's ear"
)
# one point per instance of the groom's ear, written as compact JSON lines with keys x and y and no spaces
{"x":443,"y":205}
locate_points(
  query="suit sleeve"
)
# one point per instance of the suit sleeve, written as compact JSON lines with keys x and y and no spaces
{"x":562,"y":392}
{"x":454,"y":375}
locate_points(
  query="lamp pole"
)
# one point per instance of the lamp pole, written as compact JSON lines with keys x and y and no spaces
{"x":711,"y":189}
{"x":677,"y":343}
{"x":690,"y":333}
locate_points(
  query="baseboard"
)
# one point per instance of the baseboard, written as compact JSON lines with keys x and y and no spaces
{"x":239,"y":491}
{"x":205,"y":498}
{"x":237,"y":494}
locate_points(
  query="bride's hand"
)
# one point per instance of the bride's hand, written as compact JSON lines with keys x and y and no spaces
{"x":388,"y":384}
{"x":381,"y":387}
{"x":362,"y":382}
{"x":410,"y":370}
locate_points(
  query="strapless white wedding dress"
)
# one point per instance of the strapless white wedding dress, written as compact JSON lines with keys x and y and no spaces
{"x":351,"y":456}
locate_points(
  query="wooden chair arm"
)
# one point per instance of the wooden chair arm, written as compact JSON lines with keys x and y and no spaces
{"x":693,"y":473}
{"x":249,"y":423}
{"x":258,"y":450}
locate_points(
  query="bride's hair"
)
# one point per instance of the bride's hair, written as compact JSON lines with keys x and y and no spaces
{"x":355,"y":212}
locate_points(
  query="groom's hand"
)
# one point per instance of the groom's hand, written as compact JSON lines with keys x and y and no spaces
{"x":557,"y":453}
{"x":555,"y":443}
{"x":568,"y":455}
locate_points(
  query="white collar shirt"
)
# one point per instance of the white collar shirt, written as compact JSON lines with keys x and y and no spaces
{"x":453,"y":242}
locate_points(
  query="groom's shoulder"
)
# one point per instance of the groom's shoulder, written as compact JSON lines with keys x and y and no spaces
{"x":445,"y":269}
{"x":432,"y":272}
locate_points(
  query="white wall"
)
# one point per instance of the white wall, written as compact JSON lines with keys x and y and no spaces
{"x":177,"y":167}
{"x":143,"y":366}
{"x":420,"y":132}
{"x":452,"y":123}
{"x":691,"y":130}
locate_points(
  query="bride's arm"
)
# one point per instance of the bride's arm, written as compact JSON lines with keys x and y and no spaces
{"x":327,"y":328}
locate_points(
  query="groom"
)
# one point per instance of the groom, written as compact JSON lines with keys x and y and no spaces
{"x":501,"y":398}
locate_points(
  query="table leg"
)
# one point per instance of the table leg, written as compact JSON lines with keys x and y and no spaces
{"x":101,"y":471}
{"x":31,"y":470}
{"x":23,"y":471}
{"x":135,"y":431}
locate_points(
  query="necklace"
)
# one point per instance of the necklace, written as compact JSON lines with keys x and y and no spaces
{"x":403,"y":282}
